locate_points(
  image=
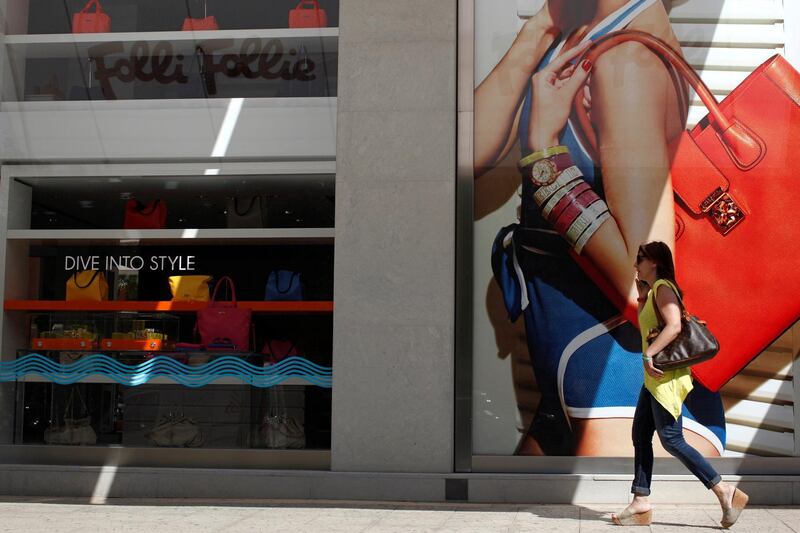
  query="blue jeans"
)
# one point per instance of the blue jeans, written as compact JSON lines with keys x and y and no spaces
{"x":651,"y":417}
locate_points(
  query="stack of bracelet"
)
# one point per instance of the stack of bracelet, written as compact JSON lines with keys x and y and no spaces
{"x":565,"y":199}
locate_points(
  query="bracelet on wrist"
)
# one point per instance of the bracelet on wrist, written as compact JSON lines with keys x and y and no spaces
{"x":646,"y":357}
{"x":542,"y":154}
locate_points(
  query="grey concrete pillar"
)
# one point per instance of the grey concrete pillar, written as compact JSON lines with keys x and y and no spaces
{"x":394,"y":273}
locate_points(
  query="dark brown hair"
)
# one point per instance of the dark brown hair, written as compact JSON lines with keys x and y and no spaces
{"x":660,"y":254}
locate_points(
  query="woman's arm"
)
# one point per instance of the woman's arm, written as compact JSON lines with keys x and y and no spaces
{"x":630,"y":100}
{"x":499,"y":97}
{"x":670,"y":309}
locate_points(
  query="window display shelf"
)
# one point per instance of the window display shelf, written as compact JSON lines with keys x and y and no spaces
{"x":177,"y":236}
{"x":179,"y":42}
{"x":78,"y":306}
{"x":166,"y":380}
{"x":223,"y":370}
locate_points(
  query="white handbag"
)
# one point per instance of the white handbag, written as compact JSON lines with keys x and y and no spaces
{"x":282,"y":432}
{"x":73,"y":431}
{"x":176,"y":431}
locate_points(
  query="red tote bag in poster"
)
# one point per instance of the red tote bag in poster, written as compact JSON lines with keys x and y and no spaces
{"x":308,"y":14}
{"x":149,"y":216}
{"x":735,"y":184}
{"x":224,"y":322}
{"x":86,"y":21}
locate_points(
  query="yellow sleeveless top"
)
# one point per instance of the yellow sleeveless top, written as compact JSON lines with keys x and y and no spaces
{"x":671,"y":390}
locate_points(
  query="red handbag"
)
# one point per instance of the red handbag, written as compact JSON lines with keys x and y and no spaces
{"x":86,"y":22}
{"x":224,"y":322}
{"x":276,"y":350}
{"x":308,"y":14}
{"x":141,"y":216}
{"x":203,"y":24}
{"x":735,"y":190}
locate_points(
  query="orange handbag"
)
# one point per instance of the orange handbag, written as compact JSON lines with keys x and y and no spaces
{"x":203,"y":24}
{"x":86,"y":22}
{"x":308,"y":14}
{"x":735,"y":188}
{"x":87,"y":285}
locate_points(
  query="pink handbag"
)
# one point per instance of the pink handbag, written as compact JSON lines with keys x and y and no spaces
{"x":224,"y":322}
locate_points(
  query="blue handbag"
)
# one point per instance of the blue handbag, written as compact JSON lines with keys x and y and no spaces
{"x":284,"y":285}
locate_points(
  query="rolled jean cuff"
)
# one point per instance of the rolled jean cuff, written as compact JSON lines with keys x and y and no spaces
{"x":713,"y":481}
{"x":641,"y":491}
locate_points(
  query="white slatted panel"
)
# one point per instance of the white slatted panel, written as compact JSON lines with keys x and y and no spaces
{"x":724,"y":40}
{"x":750,"y":440}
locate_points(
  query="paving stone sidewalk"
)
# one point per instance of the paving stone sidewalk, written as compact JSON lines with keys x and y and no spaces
{"x":181,"y":516}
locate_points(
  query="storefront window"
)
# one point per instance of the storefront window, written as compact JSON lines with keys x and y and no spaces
{"x":168,"y":274}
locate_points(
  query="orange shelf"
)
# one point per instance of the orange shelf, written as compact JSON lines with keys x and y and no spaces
{"x":167,"y":306}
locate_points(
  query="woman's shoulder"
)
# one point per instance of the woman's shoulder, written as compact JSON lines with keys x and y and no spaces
{"x":663,"y":282}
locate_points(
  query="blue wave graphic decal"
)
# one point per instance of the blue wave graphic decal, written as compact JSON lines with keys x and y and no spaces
{"x":190,"y":376}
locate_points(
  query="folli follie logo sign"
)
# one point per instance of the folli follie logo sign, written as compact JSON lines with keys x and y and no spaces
{"x":158,"y":62}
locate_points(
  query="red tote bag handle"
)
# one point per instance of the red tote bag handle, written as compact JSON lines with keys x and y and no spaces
{"x":89,"y":4}
{"x":744,"y":149}
{"x":313,"y":3}
{"x":229,"y":282}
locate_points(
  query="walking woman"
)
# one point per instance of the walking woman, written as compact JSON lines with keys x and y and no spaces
{"x":663,"y":393}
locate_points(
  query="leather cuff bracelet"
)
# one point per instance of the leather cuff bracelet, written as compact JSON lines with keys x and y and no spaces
{"x":573,"y":212}
{"x":591,"y":230}
{"x":569,"y":199}
{"x":565,"y":178}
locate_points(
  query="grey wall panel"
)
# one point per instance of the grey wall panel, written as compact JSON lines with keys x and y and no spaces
{"x":394,"y":273}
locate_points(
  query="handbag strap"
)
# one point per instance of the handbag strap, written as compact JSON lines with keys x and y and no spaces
{"x":75,"y":279}
{"x":143,"y":208}
{"x":89,"y":4}
{"x":278,"y":281}
{"x":227,"y":280}
{"x":249,"y":207}
{"x":314,"y":4}
{"x":741,"y":146}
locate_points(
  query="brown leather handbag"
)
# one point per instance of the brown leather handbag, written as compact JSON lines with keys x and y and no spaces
{"x":693,"y":345}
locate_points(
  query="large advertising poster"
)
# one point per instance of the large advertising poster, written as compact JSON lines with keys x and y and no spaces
{"x":683,"y":129}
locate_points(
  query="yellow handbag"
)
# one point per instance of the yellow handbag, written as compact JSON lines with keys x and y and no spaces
{"x":88,"y":285}
{"x":189,"y":288}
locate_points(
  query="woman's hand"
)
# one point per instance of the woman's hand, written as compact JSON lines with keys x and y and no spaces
{"x":554,"y":88}
{"x":651,"y":370}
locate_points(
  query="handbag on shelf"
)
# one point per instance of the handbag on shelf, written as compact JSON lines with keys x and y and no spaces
{"x":87,"y":285}
{"x":224,"y":320}
{"x":204,"y":23}
{"x":734,"y":180}
{"x":145,"y":216}
{"x":284,"y":285}
{"x":86,"y":21}
{"x":73,"y":431}
{"x":693,"y":345}
{"x":276,"y":350}
{"x":282,"y":432}
{"x":243,"y":213}
{"x":308,"y":14}
{"x":189,"y":288}
{"x":176,"y":431}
